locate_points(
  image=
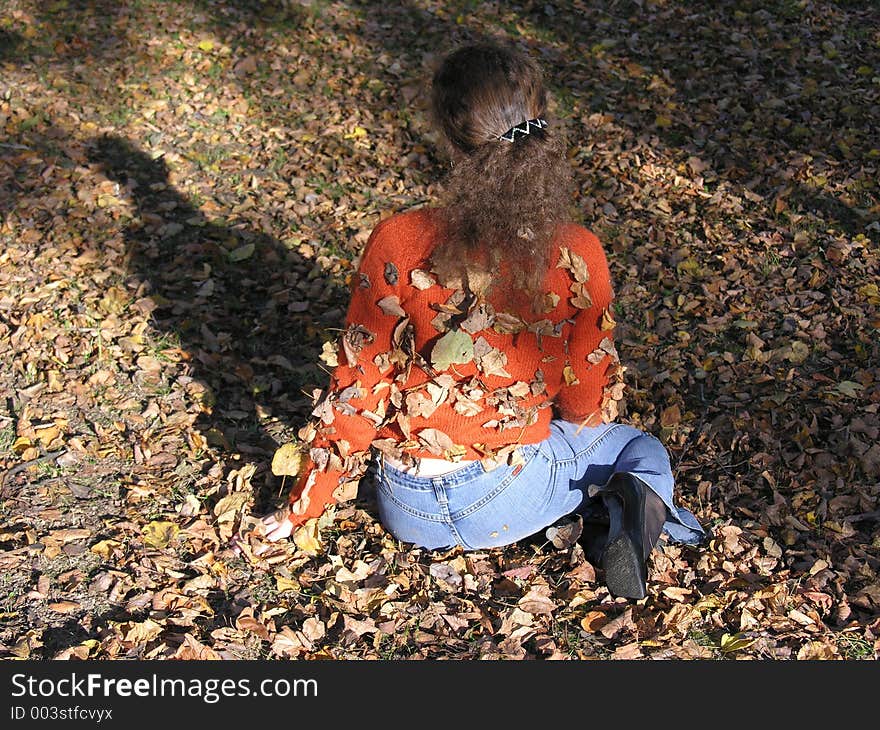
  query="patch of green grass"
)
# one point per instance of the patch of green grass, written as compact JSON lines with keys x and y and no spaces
{"x":119,"y":116}
{"x":11,"y":592}
{"x":7,"y":436}
{"x":852,"y":646}
{"x":701,"y":638}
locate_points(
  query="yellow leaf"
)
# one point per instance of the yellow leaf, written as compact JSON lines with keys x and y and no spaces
{"x":663,"y":121}
{"x":206,"y":46}
{"x":286,"y":584}
{"x":570,"y":377}
{"x":871,"y":292}
{"x":287,"y":460}
{"x":307,"y":537}
{"x":21,"y":444}
{"x":356,"y":133}
{"x":47,"y":434}
{"x":105,"y":548}
{"x":734,"y":642}
{"x":159,"y":534}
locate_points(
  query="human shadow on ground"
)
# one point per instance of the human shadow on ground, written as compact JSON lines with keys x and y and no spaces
{"x":248,"y":312}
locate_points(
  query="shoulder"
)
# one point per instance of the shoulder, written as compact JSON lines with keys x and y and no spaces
{"x":580,"y":239}
{"x":404,"y":237}
{"x":405,"y":225}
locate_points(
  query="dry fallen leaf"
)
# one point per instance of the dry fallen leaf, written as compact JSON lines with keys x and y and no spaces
{"x":287,"y":460}
{"x":159,"y":534}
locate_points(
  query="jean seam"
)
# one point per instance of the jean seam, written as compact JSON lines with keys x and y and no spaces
{"x":409,"y":510}
{"x":486,"y":498}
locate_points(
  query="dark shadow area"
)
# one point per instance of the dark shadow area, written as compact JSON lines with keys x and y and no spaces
{"x":232,"y":296}
{"x":9,"y":44}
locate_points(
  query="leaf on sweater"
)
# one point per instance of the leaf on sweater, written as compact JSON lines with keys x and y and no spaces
{"x":581,"y":297}
{"x":480,"y":318}
{"x":492,"y":362}
{"x":606,"y":349}
{"x":551,"y":299}
{"x":388,"y":447}
{"x":455,"y":347}
{"x":403,"y":345}
{"x":569,"y":375}
{"x":607,"y":322}
{"x":391,"y":305}
{"x":435,"y":441}
{"x":324,"y":411}
{"x":538,"y":385}
{"x":377,"y":417}
{"x":391,"y":273}
{"x":354,"y":339}
{"x":508,"y":324}
{"x":519,"y":389}
{"x":438,"y":389}
{"x":467,"y":407}
{"x":418,"y":406}
{"x":421,"y":279}
{"x":346,"y":491}
{"x":382,"y":361}
{"x":574,"y":263}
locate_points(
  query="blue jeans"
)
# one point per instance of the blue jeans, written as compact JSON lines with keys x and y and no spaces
{"x":479,"y":509}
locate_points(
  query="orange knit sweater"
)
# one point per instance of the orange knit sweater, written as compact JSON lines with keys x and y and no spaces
{"x":422,"y":370}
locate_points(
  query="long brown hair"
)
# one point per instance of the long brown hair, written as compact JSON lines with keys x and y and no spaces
{"x":503,"y":200}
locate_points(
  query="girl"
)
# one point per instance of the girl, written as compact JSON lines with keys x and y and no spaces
{"x":477,"y":371}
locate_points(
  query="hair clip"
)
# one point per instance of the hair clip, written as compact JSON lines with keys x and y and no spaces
{"x":522,"y":129}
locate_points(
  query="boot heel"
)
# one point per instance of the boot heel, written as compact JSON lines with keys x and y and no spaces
{"x":623,"y":559}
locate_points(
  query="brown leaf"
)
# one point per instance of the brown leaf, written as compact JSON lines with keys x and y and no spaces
{"x":574,"y":263}
{"x":391,"y":306}
{"x":64,"y":606}
{"x":565,"y":534}
{"x":593,"y":621}
{"x":621,"y":623}
{"x":537,"y":601}
{"x":193,"y":650}
{"x":435,"y":441}
{"x":607,"y":322}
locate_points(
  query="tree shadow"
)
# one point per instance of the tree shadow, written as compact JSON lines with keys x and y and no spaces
{"x":246,"y":310}
{"x":10,"y":42}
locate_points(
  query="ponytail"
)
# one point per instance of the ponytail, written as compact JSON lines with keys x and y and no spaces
{"x":510,"y":184}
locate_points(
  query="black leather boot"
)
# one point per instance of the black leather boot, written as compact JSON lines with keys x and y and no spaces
{"x":636,"y":516}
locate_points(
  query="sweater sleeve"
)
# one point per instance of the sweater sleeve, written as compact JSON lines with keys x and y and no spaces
{"x":347,"y":415}
{"x":593,"y":377}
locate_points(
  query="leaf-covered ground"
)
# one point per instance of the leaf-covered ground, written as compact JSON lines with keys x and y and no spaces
{"x":185,"y":188}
